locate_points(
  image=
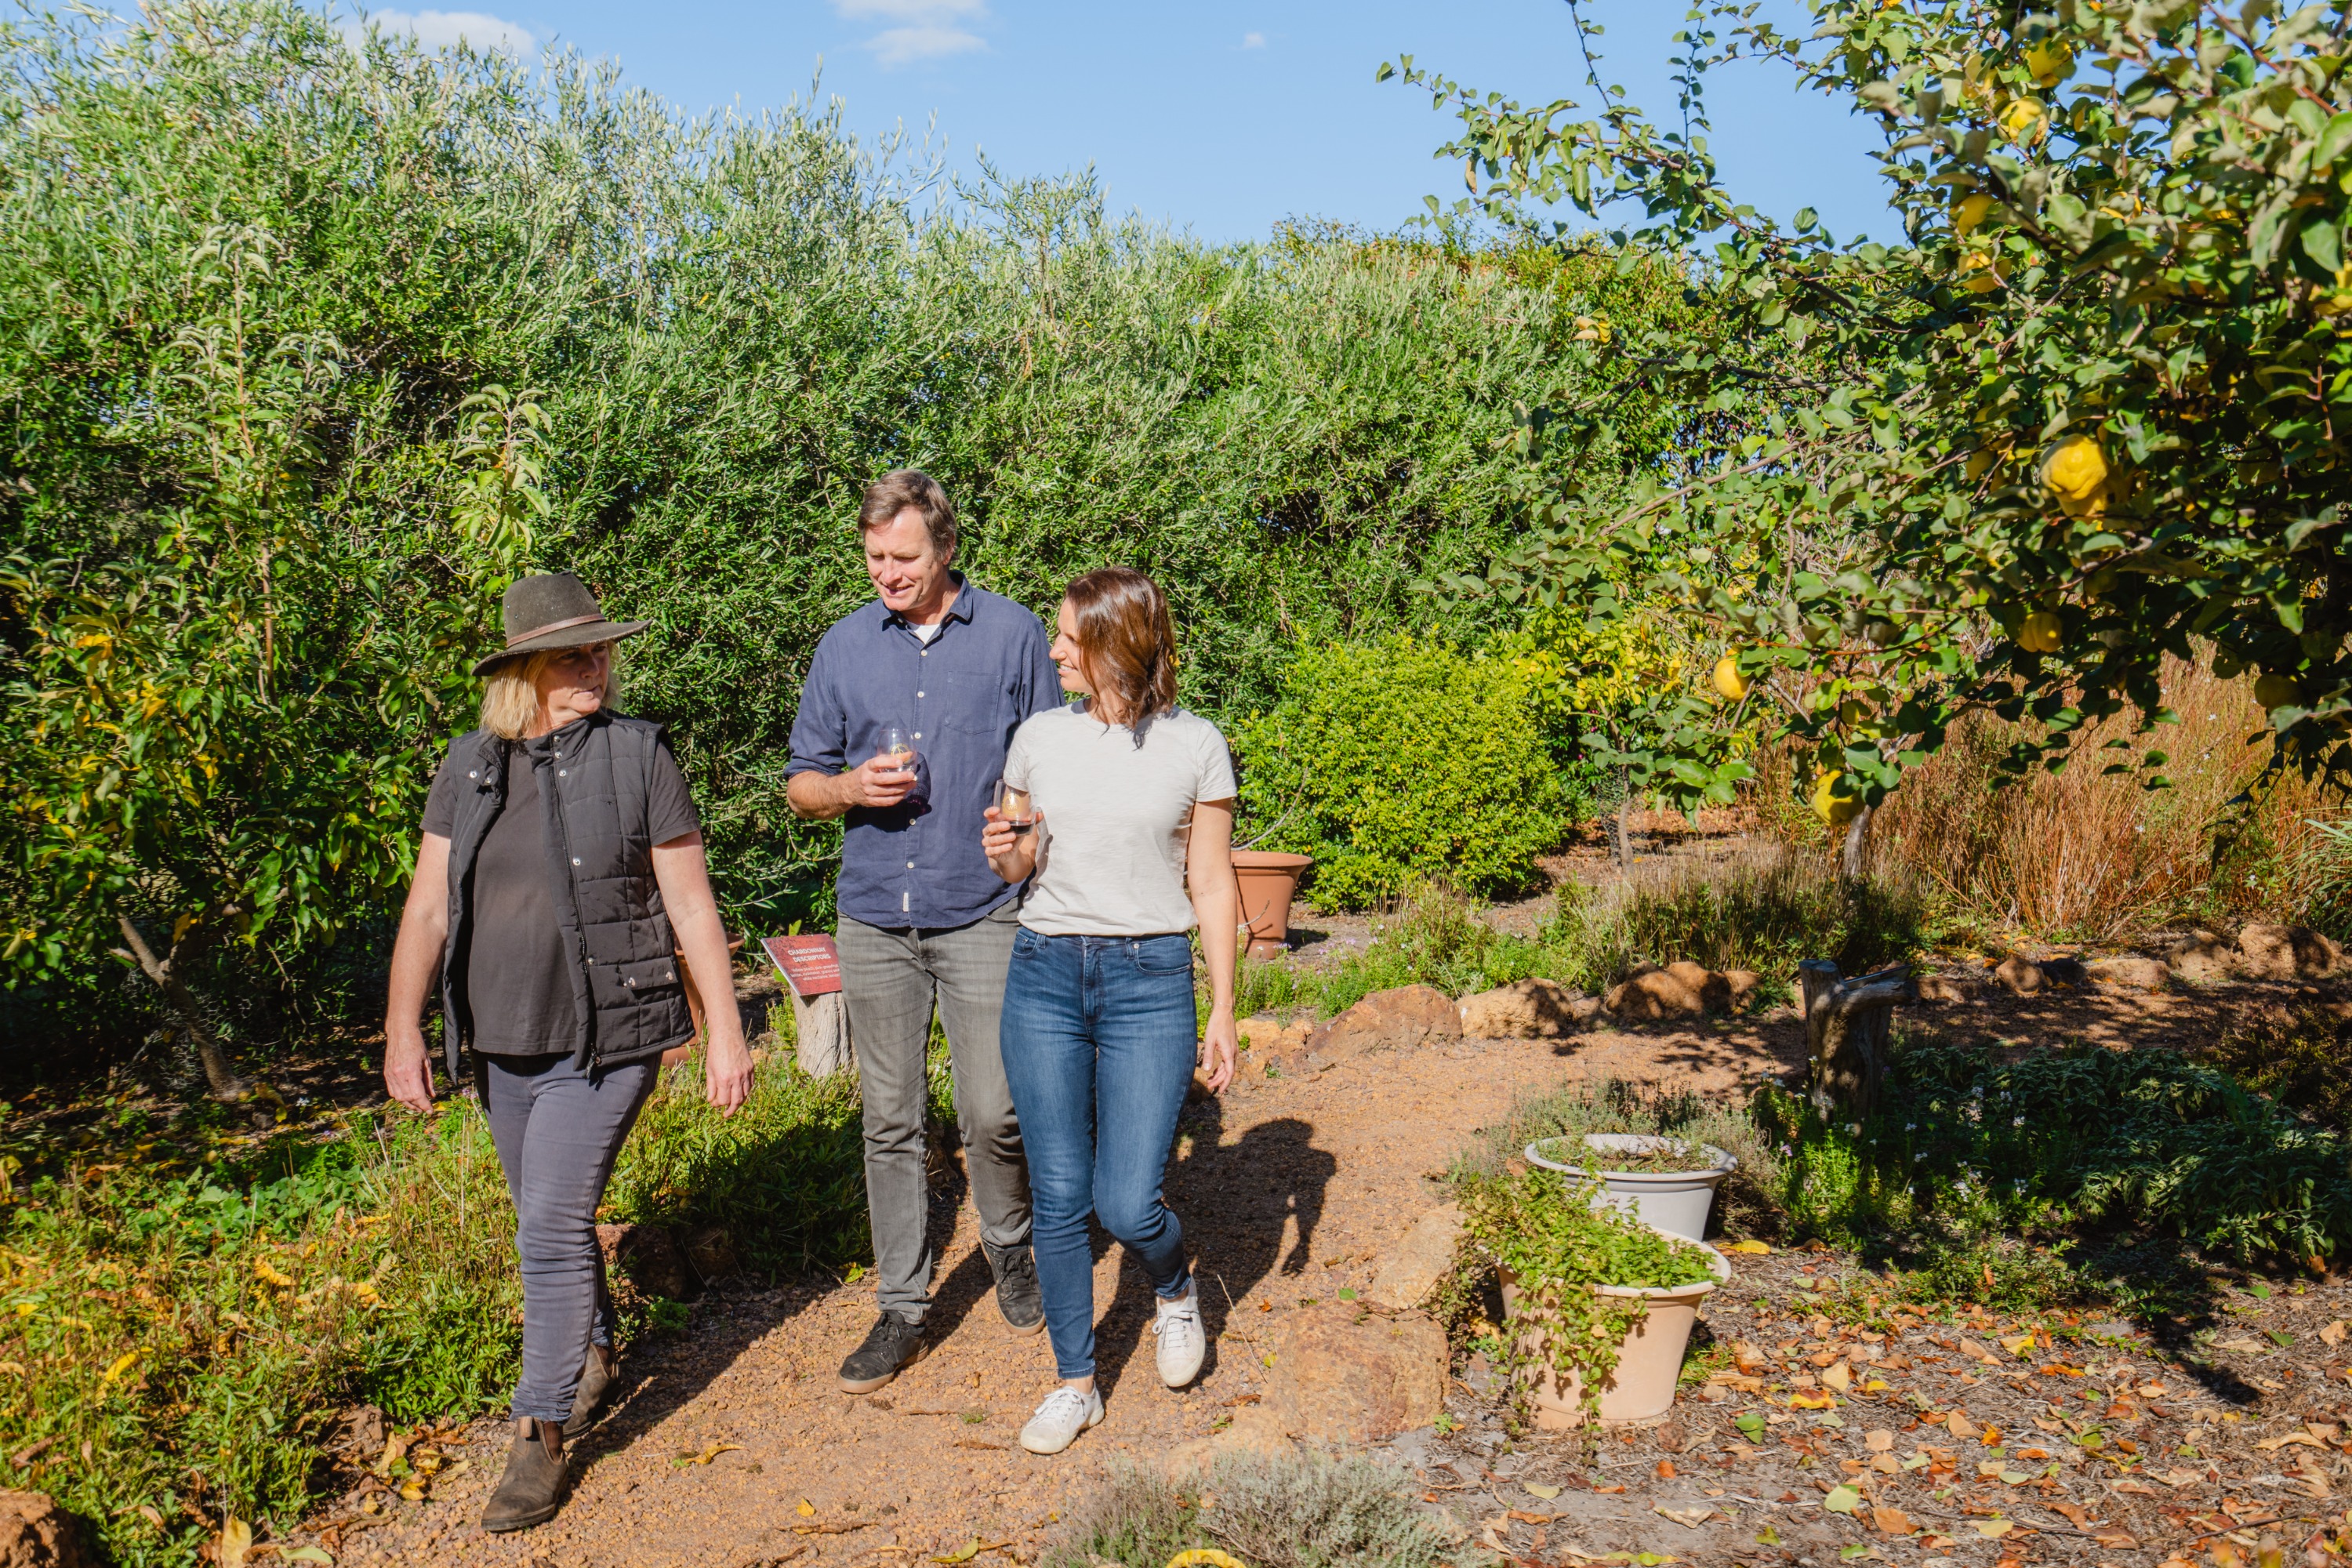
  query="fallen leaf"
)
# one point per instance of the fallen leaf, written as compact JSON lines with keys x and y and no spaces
{"x":2074,"y":1512}
{"x":1892,"y":1520}
{"x":1838,"y":1378}
{"x":1688,"y":1518}
{"x":1878,"y":1442}
{"x":1994,"y":1529}
{"x":2151,"y":1391}
{"x":1665,"y":1470}
{"x":1971,"y":1349}
{"x":1608,"y":1491}
{"x":1543,"y":1490}
{"x":710,"y":1451}
{"x":1959,"y":1426}
{"x":1740,"y":1381}
{"x":975,"y":1546}
{"x":305,"y":1554}
{"x":806,"y":1509}
{"x":1811,"y":1402}
{"x":1526,"y":1518}
{"x":2305,"y":1438}
{"x":2018,"y":1345}
{"x":269,"y":1275}
{"x":2333,"y":1334}
{"x":1758,"y":1247}
{"x":1841,"y":1499}
{"x":236,"y":1542}
{"x":2137,"y":1488}
{"x":121,"y":1364}
{"x":2118,"y":1541}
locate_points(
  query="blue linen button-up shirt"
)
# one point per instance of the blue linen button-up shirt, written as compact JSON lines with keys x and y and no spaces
{"x":960,"y":696}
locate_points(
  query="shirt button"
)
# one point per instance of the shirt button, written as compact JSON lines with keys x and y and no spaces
{"x":575,"y":859}
{"x":563,"y":773}
{"x":910,"y":864}
{"x":918,"y":694}
{"x":919,"y":734}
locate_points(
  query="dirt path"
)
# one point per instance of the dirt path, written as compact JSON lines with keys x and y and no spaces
{"x":1289,"y":1190}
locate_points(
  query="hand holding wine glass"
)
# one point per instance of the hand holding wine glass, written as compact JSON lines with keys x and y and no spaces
{"x":890,"y":775}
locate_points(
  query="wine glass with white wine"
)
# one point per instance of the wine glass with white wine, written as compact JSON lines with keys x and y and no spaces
{"x":894,"y":748}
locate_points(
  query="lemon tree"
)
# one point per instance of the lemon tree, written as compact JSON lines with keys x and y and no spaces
{"x":2081,"y":414}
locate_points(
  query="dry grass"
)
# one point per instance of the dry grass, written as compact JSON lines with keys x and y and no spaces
{"x":2086,"y":855}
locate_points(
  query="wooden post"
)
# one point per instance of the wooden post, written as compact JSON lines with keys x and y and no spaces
{"x":821,"y":1030}
{"x":1846,"y":1026}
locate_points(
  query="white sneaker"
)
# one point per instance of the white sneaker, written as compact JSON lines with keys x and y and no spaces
{"x":1181,"y":1342}
{"x":1059,"y":1421}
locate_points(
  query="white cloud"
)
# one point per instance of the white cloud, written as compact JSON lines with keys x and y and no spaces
{"x":926,"y":30}
{"x":443,"y":29}
{"x":1252,"y":41}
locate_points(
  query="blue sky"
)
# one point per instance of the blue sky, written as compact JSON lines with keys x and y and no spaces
{"x":1223,"y":117}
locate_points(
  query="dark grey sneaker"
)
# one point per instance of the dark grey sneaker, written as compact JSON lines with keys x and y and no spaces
{"x":1016,"y":1287}
{"x":533,"y":1489}
{"x":892,"y":1346}
{"x":599,"y":1375}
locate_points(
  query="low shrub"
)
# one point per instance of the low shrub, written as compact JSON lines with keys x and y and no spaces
{"x":1271,"y":1511}
{"x":2299,"y":1057}
{"x":1400,"y":759}
{"x":180,"y":1337}
{"x":2069,"y":1143}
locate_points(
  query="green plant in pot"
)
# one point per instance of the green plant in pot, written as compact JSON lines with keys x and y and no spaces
{"x":1601,"y":1305}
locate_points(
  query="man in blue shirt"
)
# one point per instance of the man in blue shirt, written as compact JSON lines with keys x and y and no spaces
{"x":924,"y":922}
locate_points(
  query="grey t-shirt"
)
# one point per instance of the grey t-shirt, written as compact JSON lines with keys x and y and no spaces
{"x":1117,"y":818}
{"x":518,"y":977}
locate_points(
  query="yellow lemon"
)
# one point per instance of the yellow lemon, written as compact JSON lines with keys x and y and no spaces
{"x":2050,"y":61}
{"x":2276,"y":691}
{"x":2042,"y":632}
{"x":1729,"y":682}
{"x":2026,"y":121}
{"x":1970,"y":211}
{"x":1831,"y":804}
{"x":2076,"y":470}
{"x":1980,"y":463}
{"x":1980,"y":273}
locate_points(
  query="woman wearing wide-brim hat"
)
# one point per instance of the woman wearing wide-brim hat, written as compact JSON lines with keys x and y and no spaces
{"x":560,"y":874}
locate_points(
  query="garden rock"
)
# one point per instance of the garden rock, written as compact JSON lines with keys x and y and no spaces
{"x":1946,"y":990}
{"x":2200,"y":957}
{"x":2287,"y":952}
{"x":650,"y":1256}
{"x":1403,"y":1017}
{"x":1271,"y":1040}
{"x":34,"y":1532}
{"x":710,"y":1252}
{"x":1650,"y":993}
{"x":1419,"y":1261}
{"x":2020,"y":974}
{"x":1524,"y":1010}
{"x":2129,"y":972}
{"x":1338,"y":1381}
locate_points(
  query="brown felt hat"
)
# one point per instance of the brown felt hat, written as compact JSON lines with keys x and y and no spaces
{"x":554,"y":610}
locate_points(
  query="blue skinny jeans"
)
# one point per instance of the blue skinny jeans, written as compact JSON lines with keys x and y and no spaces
{"x":1099,"y":1043}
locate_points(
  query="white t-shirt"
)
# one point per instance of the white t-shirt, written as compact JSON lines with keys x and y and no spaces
{"x":1118,"y":817}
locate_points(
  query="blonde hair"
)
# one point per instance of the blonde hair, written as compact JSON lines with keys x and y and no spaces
{"x":510,"y":691}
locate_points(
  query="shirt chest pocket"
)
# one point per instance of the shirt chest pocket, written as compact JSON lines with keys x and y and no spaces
{"x":978,"y":703}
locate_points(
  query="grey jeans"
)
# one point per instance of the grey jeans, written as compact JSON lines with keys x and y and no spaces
{"x":558,"y":1128}
{"x":891,"y":980}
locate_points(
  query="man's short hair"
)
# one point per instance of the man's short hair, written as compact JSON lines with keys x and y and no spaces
{"x":899,"y":489}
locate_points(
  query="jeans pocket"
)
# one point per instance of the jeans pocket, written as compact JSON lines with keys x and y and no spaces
{"x":1164,"y":955}
{"x":1027,"y":943}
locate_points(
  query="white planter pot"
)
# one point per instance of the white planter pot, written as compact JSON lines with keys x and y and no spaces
{"x":1649,"y":1363}
{"x":1676,"y":1201}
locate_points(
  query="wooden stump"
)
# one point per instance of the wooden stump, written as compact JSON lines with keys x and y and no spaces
{"x":1846,"y":1025}
{"x":820,"y":1026}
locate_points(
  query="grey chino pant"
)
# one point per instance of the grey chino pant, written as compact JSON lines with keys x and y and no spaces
{"x":891,"y":980}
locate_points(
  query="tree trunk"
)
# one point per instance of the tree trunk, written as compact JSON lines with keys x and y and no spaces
{"x":1846,"y":1026}
{"x":821,"y":1031}
{"x":220,"y":1074}
{"x":1852,"y":858}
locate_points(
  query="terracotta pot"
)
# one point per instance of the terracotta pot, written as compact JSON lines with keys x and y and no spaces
{"x":1269,"y":879}
{"x":1649,"y":1363}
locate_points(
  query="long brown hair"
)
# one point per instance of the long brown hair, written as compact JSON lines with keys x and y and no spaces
{"x":1126,"y":643}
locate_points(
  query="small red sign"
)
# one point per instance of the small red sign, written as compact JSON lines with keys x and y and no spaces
{"x":810,"y":964}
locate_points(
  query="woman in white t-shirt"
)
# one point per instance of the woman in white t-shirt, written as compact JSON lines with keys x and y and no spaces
{"x":1130,"y":847}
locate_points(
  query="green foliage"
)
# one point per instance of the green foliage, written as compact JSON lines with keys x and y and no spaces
{"x":2300,"y":1057}
{"x":1293,"y":1510}
{"x":2081,"y":412}
{"x":200,"y":1327}
{"x":2074,"y":1140}
{"x":262,"y":477}
{"x":1398,"y":760}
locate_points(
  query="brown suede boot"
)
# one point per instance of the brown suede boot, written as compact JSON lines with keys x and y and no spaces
{"x":599,"y":1375}
{"x":533,"y":1489}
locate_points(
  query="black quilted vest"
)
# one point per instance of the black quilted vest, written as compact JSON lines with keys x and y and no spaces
{"x":627,"y":990}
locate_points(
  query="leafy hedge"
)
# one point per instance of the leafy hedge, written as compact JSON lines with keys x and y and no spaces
{"x":1400,"y":759}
